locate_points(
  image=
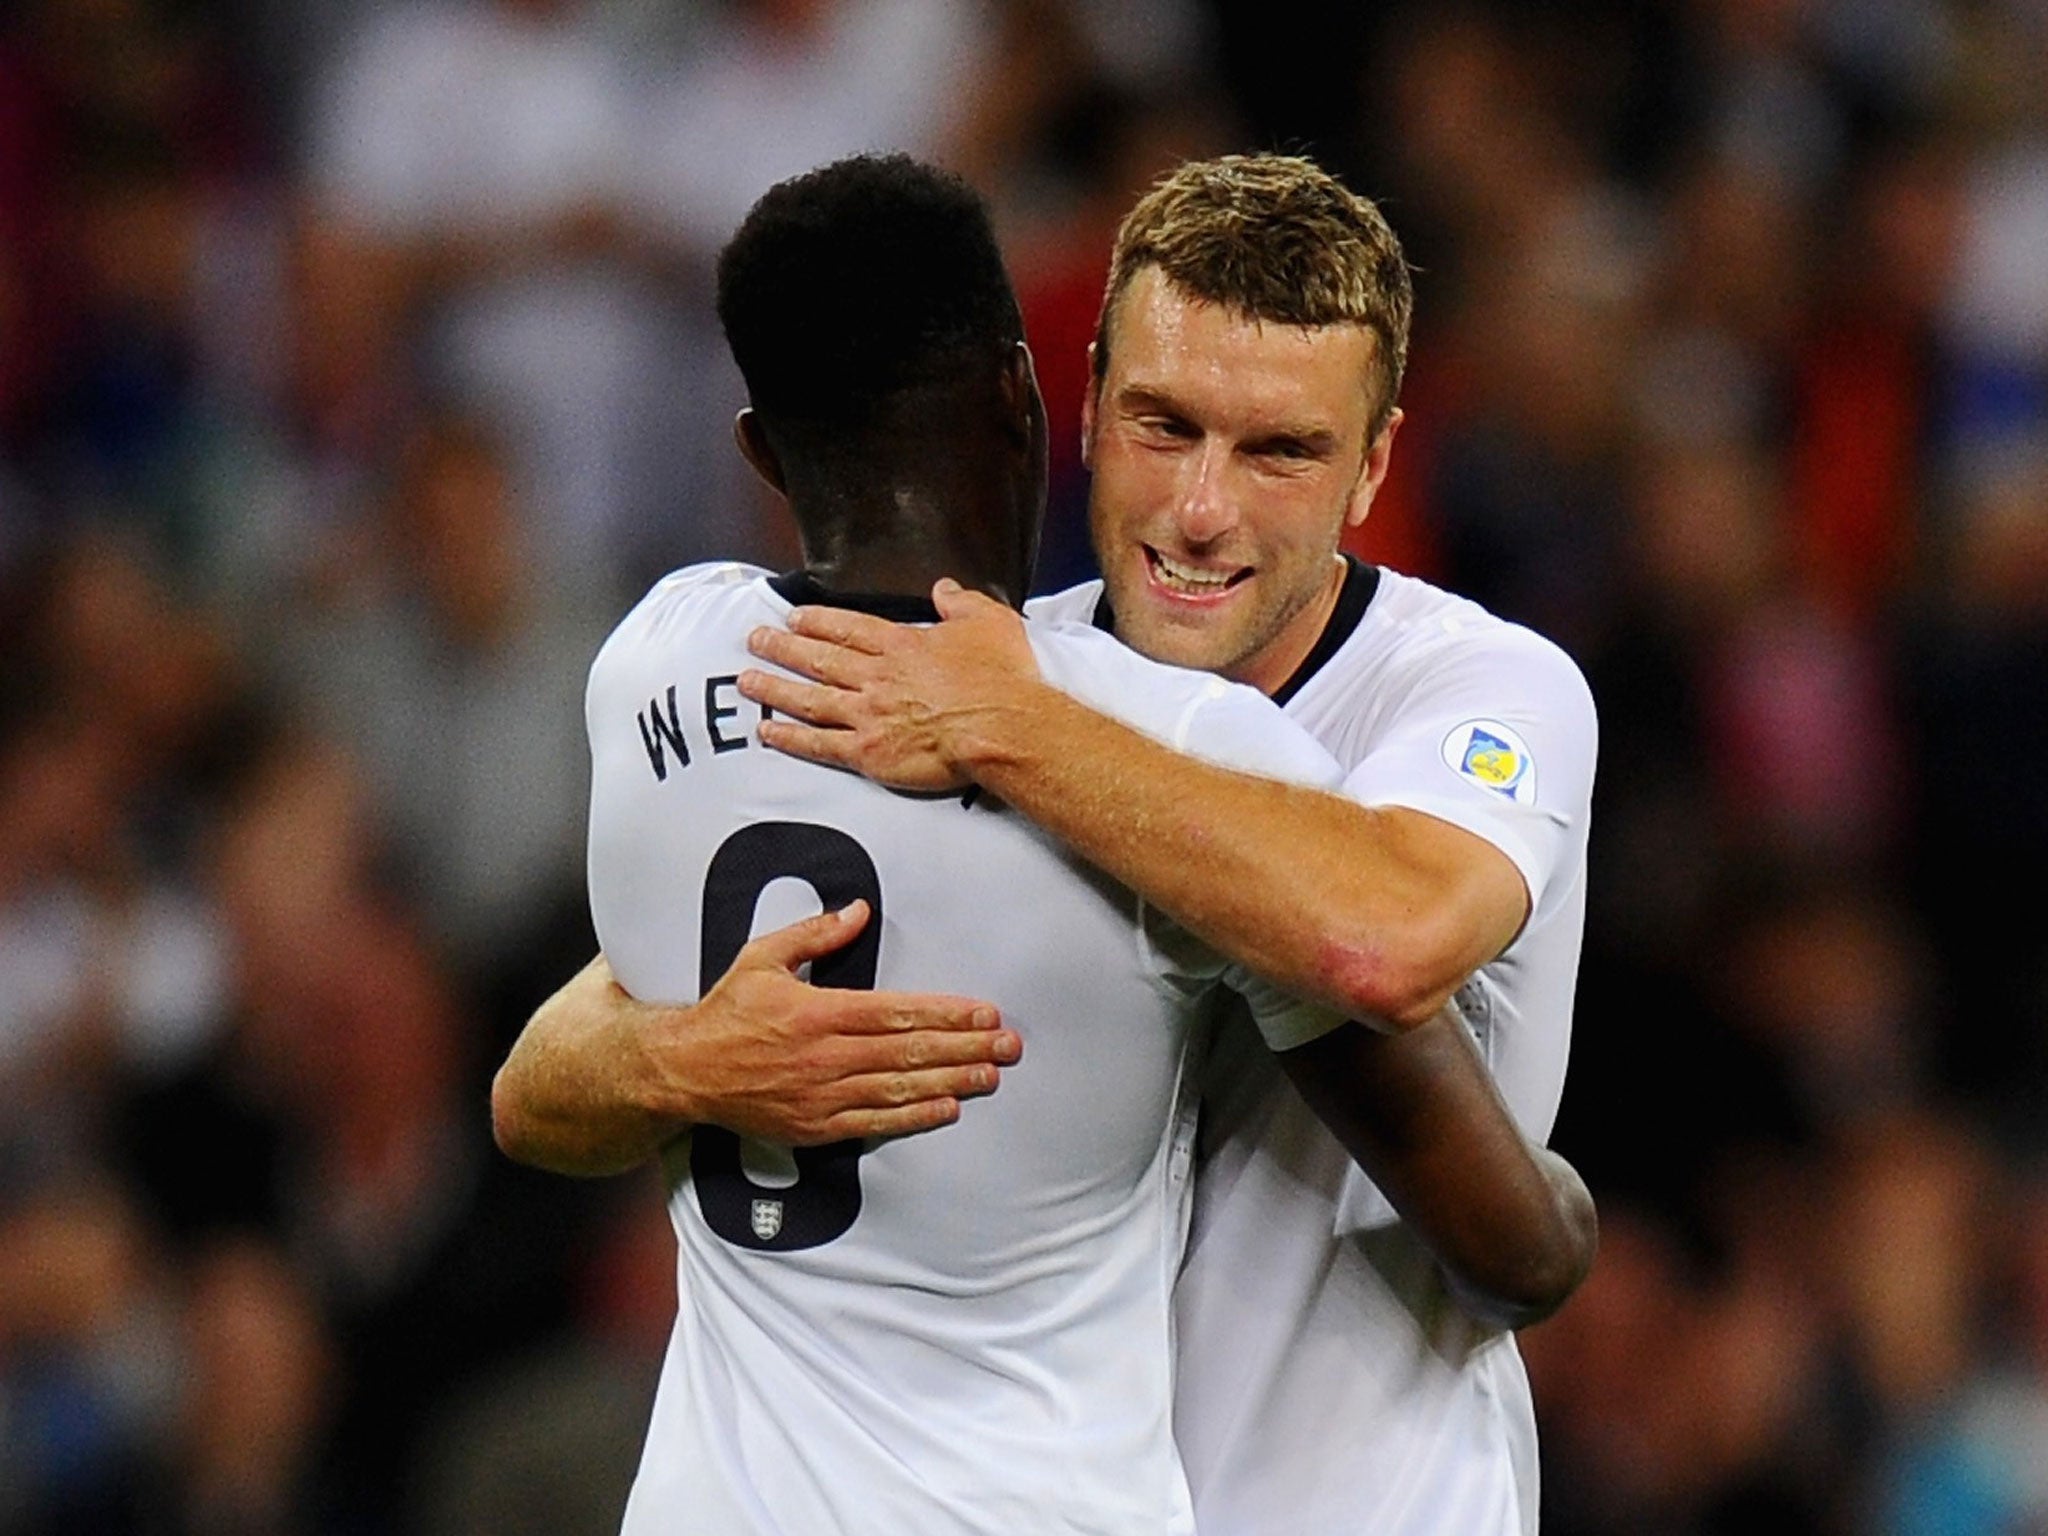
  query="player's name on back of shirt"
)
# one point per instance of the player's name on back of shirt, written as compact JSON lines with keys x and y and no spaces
{"x":677,"y":735}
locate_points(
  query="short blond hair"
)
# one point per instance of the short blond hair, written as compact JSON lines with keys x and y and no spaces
{"x":1272,"y":237}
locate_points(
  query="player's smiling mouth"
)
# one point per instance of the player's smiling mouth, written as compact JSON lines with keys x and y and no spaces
{"x":1180,"y":580}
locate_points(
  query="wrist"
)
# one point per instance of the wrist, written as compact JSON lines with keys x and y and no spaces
{"x":661,"y":1087}
{"x":1006,"y":735}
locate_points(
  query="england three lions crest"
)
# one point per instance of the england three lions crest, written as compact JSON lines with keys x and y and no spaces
{"x":766,"y":1219}
{"x":1491,"y":755}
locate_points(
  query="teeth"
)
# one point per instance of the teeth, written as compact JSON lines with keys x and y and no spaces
{"x":1187,"y":576}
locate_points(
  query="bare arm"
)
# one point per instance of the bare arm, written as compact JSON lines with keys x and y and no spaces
{"x":1510,"y":1222}
{"x":1377,"y":913}
{"x":599,"y":1082}
{"x":1380,"y":914}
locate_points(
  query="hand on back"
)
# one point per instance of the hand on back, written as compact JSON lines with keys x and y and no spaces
{"x":907,"y":705}
{"x":768,"y":1055}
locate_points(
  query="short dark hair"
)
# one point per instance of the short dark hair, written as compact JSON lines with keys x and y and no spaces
{"x":859,"y":282}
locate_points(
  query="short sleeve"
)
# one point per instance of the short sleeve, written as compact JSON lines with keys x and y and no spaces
{"x":1221,"y":722}
{"x":1498,"y":739}
{"x":1239,"y":727}
{"x":1284,"y":1021}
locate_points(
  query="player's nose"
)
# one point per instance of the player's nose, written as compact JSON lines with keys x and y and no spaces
{"x":1206,"y":507}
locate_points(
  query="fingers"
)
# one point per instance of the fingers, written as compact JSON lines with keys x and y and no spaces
{"x":896,"y":1090}
{"x":834,"y":748}
{"x":899,"y":1084}
{"x":822,"y":660}
{"x":808,"y":939}
{"x":811,"y":702}
{"x":843,"y":627}
{"x":925,"y":1050}
{"x":957,"y":602}
{"x":896,"y":1103}
{"x":900,"y":1103}
{"x":884,"y":1013}
{"x":866,"y":1124}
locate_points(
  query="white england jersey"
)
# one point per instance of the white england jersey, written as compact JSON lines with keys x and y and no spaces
{"x":966,"y":1331}
{"x":1328,"y":1385}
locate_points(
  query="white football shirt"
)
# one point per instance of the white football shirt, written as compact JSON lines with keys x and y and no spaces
{"x":1327,"y":1384}
{"x":961,"y":1332}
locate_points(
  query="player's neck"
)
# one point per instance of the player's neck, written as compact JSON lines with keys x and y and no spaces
{"x":878,"y":574}
{"x":931,"y":532}
{"x":1269,"y":668}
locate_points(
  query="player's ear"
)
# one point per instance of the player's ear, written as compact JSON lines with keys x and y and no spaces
{"x":1373,"y":472}
{"x":755,"y":448}
{"x":1018,"y":383}
{"x":1088,"y":409}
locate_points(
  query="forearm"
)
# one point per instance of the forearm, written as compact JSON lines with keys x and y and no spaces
{"x":1326,"y":898}
{"x":578,"y":1094}
{"x":1520,"y":1294}
{"x":1511,"y":1223}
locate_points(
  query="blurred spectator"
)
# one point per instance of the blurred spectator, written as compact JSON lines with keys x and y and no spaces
{"x":87,"y":1362}
{"x":257,"y":1372}
{"x":114,"y":962}
{"x":485,"y":147}
{"x":454,"y":669}
{"x":774,"y":87}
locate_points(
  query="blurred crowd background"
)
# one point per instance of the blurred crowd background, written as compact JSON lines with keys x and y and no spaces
{"x":357,"y":368}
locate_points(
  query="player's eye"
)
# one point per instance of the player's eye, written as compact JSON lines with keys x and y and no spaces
{"x":1289,"y":452}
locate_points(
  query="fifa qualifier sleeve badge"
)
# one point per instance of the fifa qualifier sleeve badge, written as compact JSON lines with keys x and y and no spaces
{"x":1489,"y":754}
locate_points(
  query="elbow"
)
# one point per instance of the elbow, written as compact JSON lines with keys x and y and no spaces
{"x":1553,"y":1280}
{"x":1531,"y":1295}
{"x":1548,"y":1271}
{"x":510,"y":1127}
{"x":1392,"y":982}
{"x":530,"y":1132}
{"x":1397,"y":956}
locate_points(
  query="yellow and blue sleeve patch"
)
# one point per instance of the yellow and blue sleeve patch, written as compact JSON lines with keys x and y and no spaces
{"x":1491,"y":755}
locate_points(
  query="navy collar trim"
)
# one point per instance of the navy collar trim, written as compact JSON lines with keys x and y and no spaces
{"x":805,"y":590}
{"x":1361,"y":581}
